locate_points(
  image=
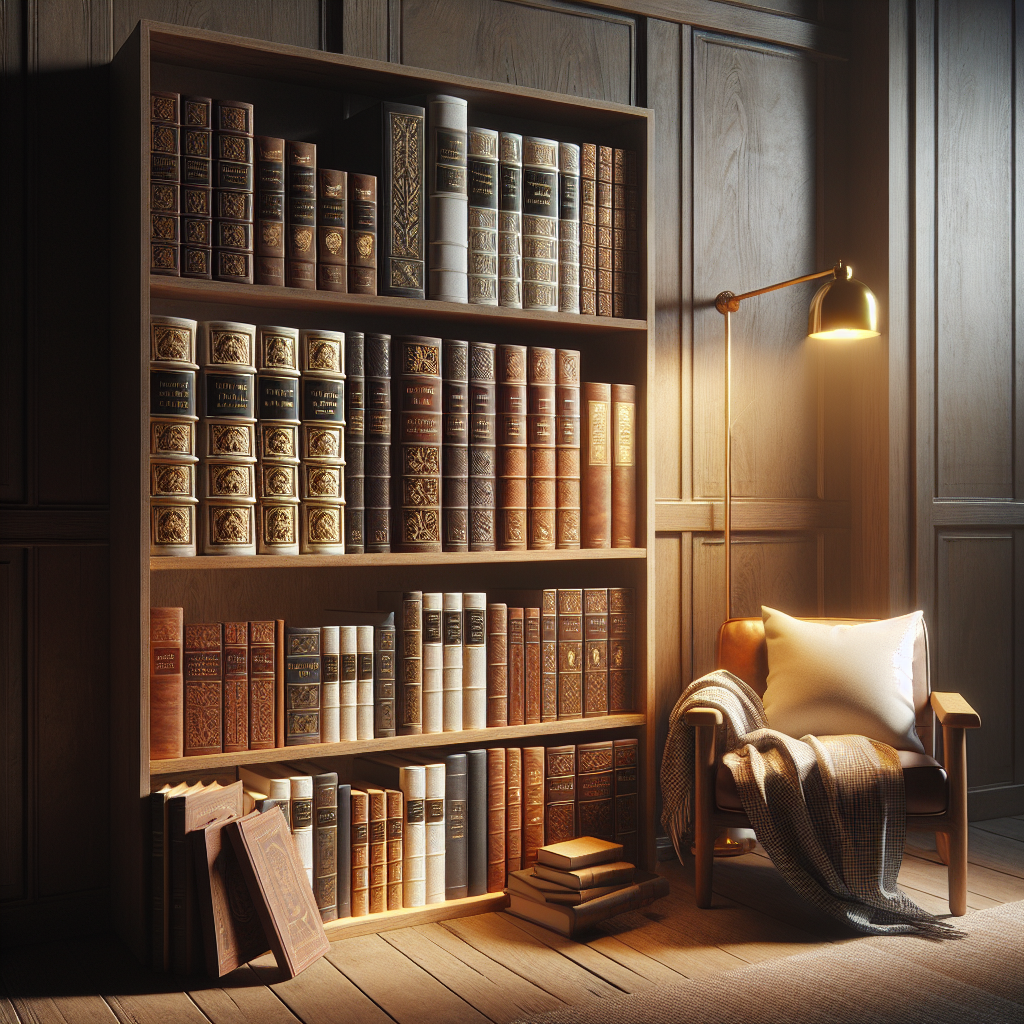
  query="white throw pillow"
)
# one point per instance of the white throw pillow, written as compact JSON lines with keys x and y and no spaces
{"x":832,"y":680}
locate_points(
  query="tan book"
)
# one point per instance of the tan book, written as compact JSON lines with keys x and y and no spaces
{"x":521,"y":882}
{"x":615,"y":872}
{"x":579,"y":853}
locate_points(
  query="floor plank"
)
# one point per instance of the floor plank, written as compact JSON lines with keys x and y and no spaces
{"x":639,"y":963}
{"x":1011,"y":828}
{"x":931,"y":876}
{"x":241,"y":997}
{"x":996,"y":852}
{"x":44,"y":995}
{"x":8,"y":1015}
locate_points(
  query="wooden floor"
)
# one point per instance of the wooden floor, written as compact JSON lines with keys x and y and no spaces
{"x":493,"y":967}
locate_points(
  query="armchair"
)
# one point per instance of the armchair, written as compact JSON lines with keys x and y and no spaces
{"x":936,"y":794}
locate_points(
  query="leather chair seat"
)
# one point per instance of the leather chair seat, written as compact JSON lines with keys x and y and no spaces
{"x":924,"y":779}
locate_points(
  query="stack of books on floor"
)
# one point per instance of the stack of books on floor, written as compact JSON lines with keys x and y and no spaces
{"x":577,"y":884}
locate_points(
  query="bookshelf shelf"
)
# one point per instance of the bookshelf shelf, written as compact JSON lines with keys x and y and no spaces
{"x":409,"y":917}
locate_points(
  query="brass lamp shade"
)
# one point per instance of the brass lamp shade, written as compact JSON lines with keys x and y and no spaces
{"x":843,"y":309}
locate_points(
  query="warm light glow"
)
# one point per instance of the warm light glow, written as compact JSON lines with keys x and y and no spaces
{"x":844,"y":334}
{"x":843,"y":309}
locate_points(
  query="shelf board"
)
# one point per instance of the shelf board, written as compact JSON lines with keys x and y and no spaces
{"x":214,"y":562}
{"x":465,"y":738}
{"x":408,"y":917}
{"x":423,"y":311}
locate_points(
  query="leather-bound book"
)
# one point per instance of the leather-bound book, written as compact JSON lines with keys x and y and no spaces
{"x":474,"y":661}
{"x":510,"y":220}
{"x":302,"y":685}
{"x":456,"y":839}
{"x":532,"y":665}
{"x":389,"y":140}
{"x":355,"y":438}
{"x":262,"y":684}
{"x":160,"y":882}
{"x":496,"y":795}
{"x":567,"y":449}
{"x":482,"y":167}
{"x":623,"y":399}
{"x":588,"y":229}
{"x":625,"y":758}
{"x":596,"y":468}
{"x":570,"y":654}
{"x":448,"y":199}
{"x":434,"y":814}
{"x":302,"y":820}
{"x":621,"y":646}
{"x":197,"y":171}
{"x":568,"y":227}
{"x":393,"y":851}
{"x":360,"y":847}
{"x":236,"y":687}
{"x":344,"y":848}
{"x":279,"y":684}
{"x":619,"y":232}
{"x":377,"y":451}
{"x":364,"y":682}
{"x":362,"y":234}
{"x":412,"y":781}
{"x":204,"y":682}
{"x":410,"y":664}
{"x":165,"y":168}
{"x":604,"y":230}
{"x":595,"y":790}
{"x":279,"y":890}
{"x":455,"y":453}
{"x":196,"y":205}
{"x":513,"y":809}
{"x":233,"y":184}
{"x":433,"y":662}
{"x":512,"y":470}
{"x":533,"y":804}
{"x":540,"y":223}
{"x":330,"y":684}
{"x":542,"y":462}
{"x":482,"y":451}
{"x":549,"y":656}
{"x":166,"y":683}
{"x":497,"y":665}
{"x":348,"y":686}
{"x":268,"y":263}
{"x":476,"y":770}
{"x":595,"y":652}
{"x":559,"y":794}
{"x":416,"y":427}
{"x":384,"y":675}
{"x":331,"y":226}
{"x":300,"y":215}
{"x":451,"y":628}
{"x":516,"y":677}
{"x":377,"y":825}
{"x":632,"y":243}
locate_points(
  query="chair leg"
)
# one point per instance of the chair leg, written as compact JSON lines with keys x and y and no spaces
{"x":704,"y":796}
{"x":942,"y":846}
{"x":954,"y":744}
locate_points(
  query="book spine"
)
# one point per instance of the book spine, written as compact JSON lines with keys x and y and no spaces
{"x":496,"y":818}
{"x":412,"y":781}
{"x":482,"y":183}
{"x":204,"y":693}
{"x":595,"y":804}
{"x":532,"y":666}
{"x":455,"y":452}
{"x":570,"y":654}
{"x":474,"y":661}
{"x":360,"y":846}
{"x":362,"y":234}
{"x":197,"y":173}
{"x":483,"y":457}
{"x":233,"y":183}
{"x":596,"y":468}
{"x":279,"y":683}
{"x":348,"y":693}
{"x":331,"y":225}
{"x":595,"y":653}
{"x":513,"y":809}
{"x":448,"y":199}
{"x":476,"y":770}
{"x":165,"y":172}
{"x":403,"y":231}
{"x":567,"y":449}
{"x":456,"y":839}
{"x":623,"y":489}
{"x":588,"y":229}
{"x":497,"y":665}
{"x":344,"y":848}
{"x":632,"y":242}
{"x":533,"y":804}
{"x":540,"y":223}
{"x":236,"y":687}
{"x":300,"y":215}
{"x":355,"y":440}
{"x":330,"y":684}
{"x":302,"y":686}
{"x":173,"y":422}
{"x":542,"y":461}
{"x":410,"y":667}
{"x":549,"y":656}
{"x":384,"y":681}
{"x":451,"y":627}
{"x":277,"y":440}
{"x":559,"y":794}
{"x":568,"y":227}
{"x":604,"y":230}
{"x":364,"y":683}
{"x":395,"y":823}
{"x":436,"y":832}
{"x":626,"y":768}
{"x":268,"y":259}
{"x":160,"y":901}
{"x":510,"y":220}
{"x":377,"y":453}
{"x":177,"y":870}
{"x":166,"y":684}
{"x":433,"y":663}
{"x":621,"y":646}
{"x":302,"y":821}
{"x":512,"y":470}
{"x":416,"y":427}
{"x":516,"y":674}
{"x":378,"y":841}
{"x":325,"y":846}
{"x":619,"y":233}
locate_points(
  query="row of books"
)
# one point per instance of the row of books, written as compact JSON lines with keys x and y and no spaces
{"x":470,"y":214}
{"x":436,"y":663}
{"x":442,"y":444}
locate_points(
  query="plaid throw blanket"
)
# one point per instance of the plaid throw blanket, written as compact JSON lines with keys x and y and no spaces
{"x":829,"y":811}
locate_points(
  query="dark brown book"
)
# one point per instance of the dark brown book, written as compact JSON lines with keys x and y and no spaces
{"x":532,"y":663}
{"x":300,"y":215}
{"x":595,"y":652}
{"x":165,"y":169}
{"x":204,"y":682}
{"x":362,"y":234}
{"x":497,"y":665}
{"x":588,"y":229}
{"x":623,"y":490}
{"x":570,"y":654}
{"x":513,"y":809}
{"x":269,"y":226}
{"x":325,"y":844}
{"x":160,"y":882}
{"x":533,"y":803}
{"x":280,"y":890}
{"x":360,"y":853}
{"x":197,"y":170}
{"x":302,"y":685}
{"x":384,"y":672}
{"x":355,"y":441}
{"x":567,"y":449}
{"x":516,"y":667}
{"x":549,"y":656}
{"x":621,"y":647}
{"x":409,"y":634}
{"x":377,"y":443}
{"x":596,"y":468}
{"x":331,"y":229}
{"x":166,"y":683}
{"x":559,"y":794}
{"x":512,"y":469}
{"x":455,"y":454}
{"x":626,"y":768}
{"x":604,"y":230}
{"x":233,"y":182}
{"x":262,"y":684}
{"x":496,"y":795}
{"x":236,"y":687}
{"x":595,"y":809}
{"x":482,"y":450}
{"x":541,"y":436}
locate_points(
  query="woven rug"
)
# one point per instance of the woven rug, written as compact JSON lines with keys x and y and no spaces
{"x":899,"y":979}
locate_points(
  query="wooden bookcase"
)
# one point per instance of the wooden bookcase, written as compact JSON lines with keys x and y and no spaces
{"x":301,"y":93}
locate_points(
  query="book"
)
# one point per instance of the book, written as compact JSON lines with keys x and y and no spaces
{"x":482,"y":184}
{"x":559,"y":794}
{"x":482,"y":450}
{"x":279,"y":890}
{"x":580,"y":852}
{"x":497,"y":665}
{"x":348,"y":686}
{"x":166,"y":683}
{"x":476,"y":817}
{"x":360,"y":852}
{"x":376,"y":819}
{"x":513,"y":809}
{"x":626,"y":767}
{"x":410,"y":666}
{"x":362,"y":234}
{"x":432,"y":672}
{"x":196,"y":258}
{"x":510,"y":220}
{"x":355,"y":438}
{"x":596,"y":466}
{"x":474,"y":661}
{"x":588,"y":229}
{"x":268,"y":262}
{"x":456,"y":822}
{"x":160,"y":900}
{"x":621,"y":646}
{"x":165,"y":168}
{"x":331,"y":224}
{"x":393,"y":852}
{"x":344,"y":850}
{"x":436,"y":833}
{"x":384,"y":677}
{"x":567,"y":449}
{"x":540,"y":223}
{"x":619,"y":232}
{"x":512,"y":470}
{"x":267,"y":785}
{"x":542,"y":461}
{"x":451,"y":628}
{"x":262,"y":684}
{"x":595,"y":652}
{"x":302,"y":685}
{"x":623,"y":469}
{"x":448,"y":199}
{"x":364,"y":682}
{"x":532,"y":665}
{"x":604,"y":230}
{"x":533,"y":803}
{"x":570,"y":654}
{"x":377,"y":444}
{"x":608,"y":873}
{"x":233,"y":183}
{"x":325,"y":844}
{"x":516,"y":674}
{"x":568,"y":227}
{"x":455,"y":451}
{"x":412,"y":781}
{"x":595,"y":804}
{"x":330,"y":685}
{"x":300,"y":215}
{"x":496,"y":795}
{"x":203,"y":686}
{"x":197,"y":219}
{"x":549,"y":656}
{"x":302,"y":820}
{"x":521,"y":883}
{"x":236,"y":687}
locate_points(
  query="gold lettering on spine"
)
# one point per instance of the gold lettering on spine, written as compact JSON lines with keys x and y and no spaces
{"x":598,"y":452}
{"x":624,"y":416}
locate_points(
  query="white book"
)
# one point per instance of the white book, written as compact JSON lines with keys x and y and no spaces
{"x":448,"y":199}
{"x":452,"y":627}
{"x":262,"y":782}
{"x":302,"y":820}
{"x":330,"y":690}
{"x":433,"y":663}
{"x":364,"y":682}
{"x":483,"y":215}
{"x":434,"y":815}
{"x":349,"y":684}
{"x":412,"y":781}
{"x":568,"y":227}
{"x":474,"y":661}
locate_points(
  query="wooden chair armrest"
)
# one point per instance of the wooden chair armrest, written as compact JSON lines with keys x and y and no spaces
{"x":703,"y":716}
{"x":953,"y":712}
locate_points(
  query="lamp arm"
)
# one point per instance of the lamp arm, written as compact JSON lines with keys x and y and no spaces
{"x":726,"y":302}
